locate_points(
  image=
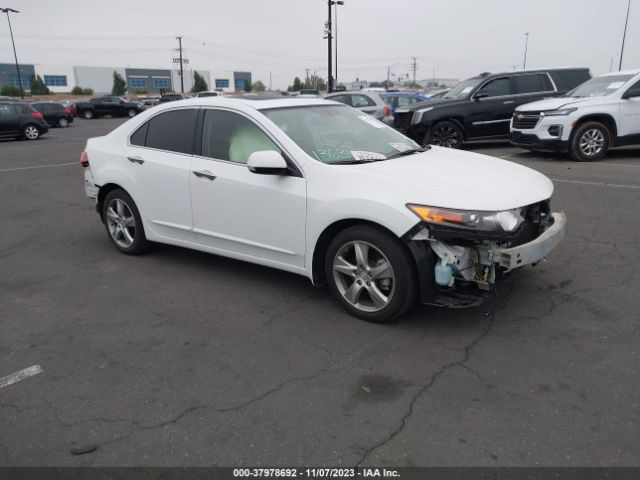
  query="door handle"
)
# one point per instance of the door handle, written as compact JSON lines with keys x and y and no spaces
{"x":508,"y":102}
{"x":205,"y":174}
{"x":136,"y":159}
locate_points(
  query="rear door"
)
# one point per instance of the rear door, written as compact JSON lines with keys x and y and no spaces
{"x":630,"y":114}
{"x":490,"y":116}
{"x":530,"y":87}
{"x":10,"y":119}
{"x":158,"y":157}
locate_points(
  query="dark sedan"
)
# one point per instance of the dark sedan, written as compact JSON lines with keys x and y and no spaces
{"x":55,"y":114}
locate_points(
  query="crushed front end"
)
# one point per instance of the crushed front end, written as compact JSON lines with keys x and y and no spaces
{"x":460,"y":254}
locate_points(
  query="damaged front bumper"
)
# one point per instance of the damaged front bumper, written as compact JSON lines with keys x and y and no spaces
{"x":459,"y":272}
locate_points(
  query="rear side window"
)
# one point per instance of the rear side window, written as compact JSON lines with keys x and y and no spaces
{"x":172,"y":131}
{"x":532,"y":83}
{"x":569,"y":79}
{"x":340,"y":98}
{"x":140,"y":136}
{"x":361,"y":101}
{"x":7,"y":109}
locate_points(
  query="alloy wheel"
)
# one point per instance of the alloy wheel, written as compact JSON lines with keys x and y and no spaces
{"x":121,"y":223}
{"x":364,"y":276}
{"x":63,"y":122}
{"x":445,"y":136}
{"x":31,"y":132}
{"x":592,"y":142}
{"x":131,"y":113}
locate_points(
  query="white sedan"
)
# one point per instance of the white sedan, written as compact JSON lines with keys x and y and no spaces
{"x":317,"y":188}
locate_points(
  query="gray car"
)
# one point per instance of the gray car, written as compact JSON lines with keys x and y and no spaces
{"x":367,"y":102}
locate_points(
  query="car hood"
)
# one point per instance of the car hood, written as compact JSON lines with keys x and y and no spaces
{"x":556,"y":103}
{"x":447,"y":178}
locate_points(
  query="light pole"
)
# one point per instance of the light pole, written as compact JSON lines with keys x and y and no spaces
{"x":328,"y":30}
{"x":336,"y":3}
{"x":526,"y":45}
{"x":15,"y":55}
{"x":624,"y":35}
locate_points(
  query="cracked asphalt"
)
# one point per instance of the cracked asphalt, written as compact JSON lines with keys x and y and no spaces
{"x":183,"y":358}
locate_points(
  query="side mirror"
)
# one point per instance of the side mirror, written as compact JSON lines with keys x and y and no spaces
{"x":480,"y":94}
{"x":267,"y":162}
{"x":631,"y":93}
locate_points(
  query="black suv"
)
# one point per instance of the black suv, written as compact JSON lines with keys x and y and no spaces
{"x":19,"y":120}
{"x":481,"y":107}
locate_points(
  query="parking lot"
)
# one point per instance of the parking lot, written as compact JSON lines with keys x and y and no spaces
{"x":182,"y":358}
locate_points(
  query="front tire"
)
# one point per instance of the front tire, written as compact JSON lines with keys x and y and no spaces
{"x":131,"y":113}
{"x":31,"y":132}
{"x":371,"y":274}
{"x":88,"y":114}
{"x":123,"y":223}
{"x":590,"y":142}
{"x":445,"y":134}
{"x":63,"y":123}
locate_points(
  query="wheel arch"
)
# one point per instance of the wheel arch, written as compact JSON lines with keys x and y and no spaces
{"x":102,"y":194}
{"x":328,"y":234}
{"x":603,"y":118}
{"x":457,"y":119}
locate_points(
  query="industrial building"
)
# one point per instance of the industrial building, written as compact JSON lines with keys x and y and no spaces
{"x":62,"y":79}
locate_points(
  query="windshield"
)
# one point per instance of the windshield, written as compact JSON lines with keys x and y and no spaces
{"x":463,"y":89}
{"x":337,"y":133}
{"x":600,"y":86}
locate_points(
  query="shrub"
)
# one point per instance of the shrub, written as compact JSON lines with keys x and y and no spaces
{"x":87,"y":91}
{"x":140,"y":91}
{"x":9,"y":91}
{"x":76,"y":91}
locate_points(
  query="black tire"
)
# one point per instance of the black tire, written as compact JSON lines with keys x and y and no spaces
{"x":131,"y":113}
{"x":589,"y":142}
{"x":31,"y":132}
{"x":88,"y":114}
{"x":63,"y":122}
{"x":445,"y":134}
{"x":140,"y":243}
{"x":397,"y":284}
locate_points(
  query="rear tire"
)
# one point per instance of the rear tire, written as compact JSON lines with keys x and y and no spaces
{"x":31,"y":132}
{"x":63,"y":122}
{"x":589,"y":142}
{"x":371,"y":274}
{"x":131,"y":113}
{"x":88,"y":114}
{"x":445,"y":134}
{"x":123,"y":223}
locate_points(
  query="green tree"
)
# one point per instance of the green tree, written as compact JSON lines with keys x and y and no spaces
{"x":87,"y":91}
{"x":297,"y":85}
{"x":199,"y":83}
{"x":259,"y":87}
{"x":38,"y":87}
{"x":76,"y":90}
{"x":119,"y":85}
{"x":247,"y":86}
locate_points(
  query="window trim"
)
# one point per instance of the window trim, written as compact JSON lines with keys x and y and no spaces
{"x":511,"y":77}
{"x":197,"y":151}
{"x":129,"y":144}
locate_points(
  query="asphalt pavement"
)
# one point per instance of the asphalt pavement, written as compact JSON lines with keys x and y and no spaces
{"x":183,"y":358}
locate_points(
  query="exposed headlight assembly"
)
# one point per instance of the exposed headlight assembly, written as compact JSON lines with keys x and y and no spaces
{"x":559,"y":113}
{"x":417,"y":115}
{"x":504,"y":221}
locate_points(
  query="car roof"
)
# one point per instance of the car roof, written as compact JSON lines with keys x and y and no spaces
{"x":258,"y":102}
{"x":621,"y":72}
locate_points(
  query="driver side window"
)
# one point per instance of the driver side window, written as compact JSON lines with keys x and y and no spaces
{"x":232,"y":137}
{"x":498,"y":87}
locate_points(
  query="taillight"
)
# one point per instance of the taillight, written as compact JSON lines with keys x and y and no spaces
{"x":68,"y":110}
{"x":84,"y":159}
{"x":387,"y":111}
{"x":37,"y":115}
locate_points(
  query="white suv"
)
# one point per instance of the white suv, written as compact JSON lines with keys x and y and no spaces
{"x":601,"y":113}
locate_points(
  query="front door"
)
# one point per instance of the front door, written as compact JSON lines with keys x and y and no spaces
{"x":630,"y":115}
{"x":490,"y":116}
{"x":256,"y":217}
{"x":157,"y":160}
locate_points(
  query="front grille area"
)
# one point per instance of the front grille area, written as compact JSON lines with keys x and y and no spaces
{"x":525,"y":121}
{"x":403,"y":121}
{"x":523,"y":138}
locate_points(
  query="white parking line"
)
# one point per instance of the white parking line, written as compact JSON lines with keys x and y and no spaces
{"x":599,"y":184}
{"x":20,"y":375}
{"x":38,"y":166}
